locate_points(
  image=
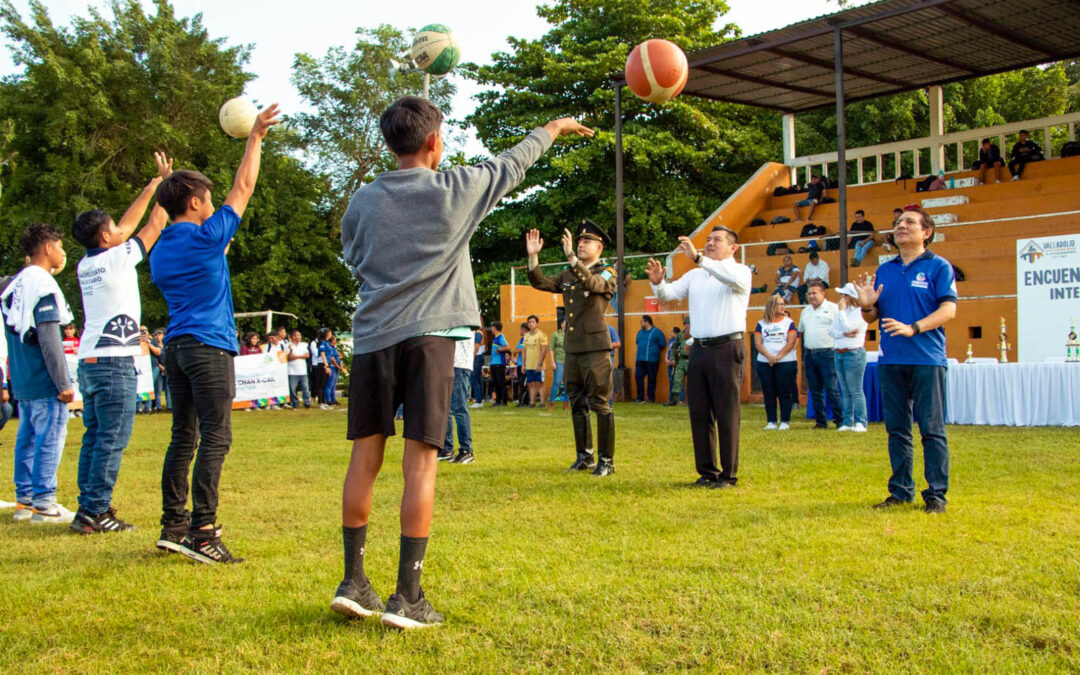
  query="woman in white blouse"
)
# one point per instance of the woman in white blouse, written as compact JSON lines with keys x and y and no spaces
{"x":849,"y":332}
{"x":777,"y":364}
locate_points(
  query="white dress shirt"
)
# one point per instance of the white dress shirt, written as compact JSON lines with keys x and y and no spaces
{"x":845,"y":321}
{"x":818,"y":271}
{"x":718,"y":292}
{"x":814,"y":325}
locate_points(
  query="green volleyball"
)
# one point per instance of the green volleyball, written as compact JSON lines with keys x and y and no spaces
{"x":434,"y":49}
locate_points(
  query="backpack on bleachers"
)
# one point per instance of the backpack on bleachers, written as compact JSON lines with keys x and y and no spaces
{"x":777,"y":248}
{"x":924,"y":184}
{"x":757,"y":222}
{"x":777,"y":220}
{"x":1071,"y":149}
{"x":811,"y":230}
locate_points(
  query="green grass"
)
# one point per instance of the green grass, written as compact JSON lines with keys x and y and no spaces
{"x":537,"y":569}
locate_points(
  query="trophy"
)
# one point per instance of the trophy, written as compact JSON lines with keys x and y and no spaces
{"x":1072,"y":345}
{"x":1004,"y":345}
{"x":969,"y":355}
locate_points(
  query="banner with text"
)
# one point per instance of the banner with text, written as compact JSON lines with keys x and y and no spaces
{"x":1047,"y":295}
{"x":261,"y":379}
{"x":144,"y":379}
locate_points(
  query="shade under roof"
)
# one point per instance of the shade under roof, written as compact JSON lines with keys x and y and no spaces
{"x":890,"y":47}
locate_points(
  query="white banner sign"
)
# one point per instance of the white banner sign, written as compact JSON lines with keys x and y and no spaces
{"x":261,"y":378}
{"x":144,"y":379}
{"x":1047,"y":295}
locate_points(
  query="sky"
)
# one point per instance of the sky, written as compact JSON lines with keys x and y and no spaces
{"x":277,"y":30}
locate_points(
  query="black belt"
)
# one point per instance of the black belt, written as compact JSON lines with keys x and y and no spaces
{"x":717,"y":341}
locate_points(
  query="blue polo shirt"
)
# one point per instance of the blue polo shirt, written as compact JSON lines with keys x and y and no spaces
{"x":189,"y":266}
{"x":649,"y":344}
{"x":912,"y":292}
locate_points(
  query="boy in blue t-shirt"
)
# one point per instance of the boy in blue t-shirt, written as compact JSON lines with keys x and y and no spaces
{"x":499,"y":349}
{"x":189,"y":266}
{"x":33,"y":310}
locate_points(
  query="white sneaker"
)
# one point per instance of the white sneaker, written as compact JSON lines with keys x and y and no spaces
{"x":845,"y":428}
{"x":784,"y":426}
{"x":1016,"y":177}
{"x":57,"y":514}
{"x":8,"y":505}
{"x":323,"y":406}
{"x":770,"y":426}
{"x":860,"y":428}
{"x":476,"y":405}
{"x":22,"y":512}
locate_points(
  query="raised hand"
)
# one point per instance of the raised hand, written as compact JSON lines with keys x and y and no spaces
{"x":688,"y":248}
{"x":533,"y":243}
{"x":567,"y":242}
{"x":655,"y":271}
{"x":164,"y":164}
{"x":264,"y":120}
{"x":569,"y":125}
{"x":868,"y":295}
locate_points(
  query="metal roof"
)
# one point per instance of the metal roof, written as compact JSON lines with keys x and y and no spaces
{"x":889,"y":47}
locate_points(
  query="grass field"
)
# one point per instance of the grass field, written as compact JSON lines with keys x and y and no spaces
{"x":537,"y":569}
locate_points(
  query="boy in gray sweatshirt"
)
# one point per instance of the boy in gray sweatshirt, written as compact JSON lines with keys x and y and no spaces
{"x":406,"y":237}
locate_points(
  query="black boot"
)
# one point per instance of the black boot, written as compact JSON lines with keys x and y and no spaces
{"x":605,"y":444}
{"x":672,"y":399}
{"x":582,"y":443}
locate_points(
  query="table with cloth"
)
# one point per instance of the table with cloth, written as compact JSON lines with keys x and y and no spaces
{"x":1014,"y":394}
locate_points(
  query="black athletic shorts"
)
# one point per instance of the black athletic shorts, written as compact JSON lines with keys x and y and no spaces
{"x":417,"y":373}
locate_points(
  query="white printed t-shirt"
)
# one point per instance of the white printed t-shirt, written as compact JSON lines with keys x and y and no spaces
{"x":298,"y":366}
{"x":774,"y":337}
{"x":111,"y":304}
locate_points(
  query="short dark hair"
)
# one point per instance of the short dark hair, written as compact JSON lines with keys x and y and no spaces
{"x":814,"y":255}
{"x":295,"y":331}
{"x":87,"y":227}
{"x":927,"y":222}
{"x":175,"y":191}
{"x":732,"y":234}
{"x":407,"y":122}
{"x":648,"y":319}
{"x":1023,"y":131}
{"x":818,"y":283}
{"x":532,"y":316}
{"x":37,"y":235}
{"x":497,"y":325}
{"x":676,"y":329}
{"x":860,"y":211}
{"x":986,"y":141}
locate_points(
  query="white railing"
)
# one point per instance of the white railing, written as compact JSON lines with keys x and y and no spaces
{"x":955,"y":141}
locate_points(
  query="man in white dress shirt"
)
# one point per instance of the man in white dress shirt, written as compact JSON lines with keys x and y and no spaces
{"x":818,"y":357}
{"x":719,"y":292}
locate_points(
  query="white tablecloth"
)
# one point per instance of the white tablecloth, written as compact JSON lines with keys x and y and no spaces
{"x":1014,"y":394}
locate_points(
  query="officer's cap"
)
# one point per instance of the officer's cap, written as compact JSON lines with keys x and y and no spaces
{"x":590,"y":230}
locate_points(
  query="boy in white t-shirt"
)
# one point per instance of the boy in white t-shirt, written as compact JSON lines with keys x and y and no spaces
{"x":111,"y":340}
{"x":298,"y":370}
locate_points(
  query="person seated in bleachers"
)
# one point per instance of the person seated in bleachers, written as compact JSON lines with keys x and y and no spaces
{"x":815,"y":269}
{"x":814,"y":194}
{"x":787,"y":279}
{"x":861,"y":243}
{"x":1023,"y":152}
{"x":989,"y":156}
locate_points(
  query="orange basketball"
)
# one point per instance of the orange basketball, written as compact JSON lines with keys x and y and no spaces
{"x":656,"y":70}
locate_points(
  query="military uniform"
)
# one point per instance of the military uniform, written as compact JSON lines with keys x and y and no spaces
{"x":681,"y":352}
{"x":587,"y":372}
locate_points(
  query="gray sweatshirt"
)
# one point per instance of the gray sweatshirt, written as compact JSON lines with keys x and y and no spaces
{"x":406,"y":237}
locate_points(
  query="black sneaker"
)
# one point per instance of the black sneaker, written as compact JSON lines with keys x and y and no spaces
{"x":171,"y":538}
{"x":723,"y":484}
{"x":85,"y":523}
{"x":583,"y":463}
{"x":934,"y":505}
{"x":446,"y":456}
{"x":404,"y":615}
{"x":207,"y":548}
{"x":463,"y":458}
{"x":356,"y":600}
{"x":703,"y":482}
{"x":605,"y":467}
{"x":890,"y":502}
{"x":821,"y":425}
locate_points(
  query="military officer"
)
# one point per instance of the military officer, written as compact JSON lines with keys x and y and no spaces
{"x":680,"y":352}
{"x":587,"y":286}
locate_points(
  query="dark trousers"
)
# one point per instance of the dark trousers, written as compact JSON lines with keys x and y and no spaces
{"x":643,"y":369}
{"x":318,"y":382}
{"x":201,"y":392}
{"x":498,"y":381}
{"x":778,"y":383}
{"x":920,"y":389}
{"x":589,"y":383}
{"x":476,"y":378}
{"x":713,"y":382}
{"x":1016,"y":166}
{"x":820,"y":367}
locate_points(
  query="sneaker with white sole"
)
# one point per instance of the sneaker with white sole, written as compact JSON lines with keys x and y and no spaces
{"x":861,"y":428}
{"x":474,"y":406}
{"x":356,"y":600}
{"x":845,"y":428}
{"x":206,"y":546}
{"x":784,"y":426}
{"x":22,"y":511}
{"x":8,"y":505}
{"x":55,"y":514}
{"x":87,"y":523}
{"x":406,"y":615}
{"x":770,"y":426}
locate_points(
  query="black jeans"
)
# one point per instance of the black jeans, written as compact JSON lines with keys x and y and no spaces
{"x":201,"y":390}
{"x":498,"y":381}
{"x":778,"y":382}
{"x":643,"y":369}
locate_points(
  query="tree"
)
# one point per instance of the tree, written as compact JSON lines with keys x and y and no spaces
{"x":681,"y":159}
{"x":349,"y":91}
{"x":96,"y":99}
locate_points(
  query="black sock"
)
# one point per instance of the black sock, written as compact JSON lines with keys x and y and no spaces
{"x":354,"y":538}
{"x":410,"y":565}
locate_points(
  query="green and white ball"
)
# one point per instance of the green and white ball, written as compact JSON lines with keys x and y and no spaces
{"x":434,"y":49}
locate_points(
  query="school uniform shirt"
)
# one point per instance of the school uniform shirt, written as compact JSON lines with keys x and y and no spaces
{"x":774,"y":336}
{"x":498,"y":358}
{"x":298,"y":366}
{"x":279,"y":347}
{"x":814,"y":325}
{"x":111,"y":304}
{"x":313,"y":350}
{"x":329,"y":354}
{"x":913,"y":292}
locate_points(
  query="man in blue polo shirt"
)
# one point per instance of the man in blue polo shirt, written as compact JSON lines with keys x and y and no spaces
{"x":189,"y":266}
{"x":650,"y":344}
{"x":914,"y":295}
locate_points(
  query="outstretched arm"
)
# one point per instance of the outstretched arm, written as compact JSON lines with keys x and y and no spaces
{"x":533,"y":245}
{"x":248,"y":171}
{"x":150,"y":232}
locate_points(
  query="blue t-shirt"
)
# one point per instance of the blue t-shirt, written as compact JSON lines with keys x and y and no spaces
{"x":330,"y":354}
{"x":29,"y":377}
{"x":520,"y":346}
{"x":498,"y":358}
{"x":649,"y":344}
{"x":189,"y":266}
{"x":912,"y":292}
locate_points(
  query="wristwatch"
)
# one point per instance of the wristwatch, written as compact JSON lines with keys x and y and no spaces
{"x":915,"y":328}
{"x":697,"y":258}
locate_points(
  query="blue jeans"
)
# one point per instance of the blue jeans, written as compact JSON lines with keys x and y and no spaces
{"x":922,"y":389}
{"x":863,"y":247}
{"x":850,"y":367}
{"x":820,"y":368}
{"x":476,"y":378}
{"x":299,"y":384}
{"x":160,"y":385}
{"x":39,"y":445}
{"x":558,"y":387}
{"x":108,"y":390}
{"x":329,"y":396}
{"x":459,"y":411}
